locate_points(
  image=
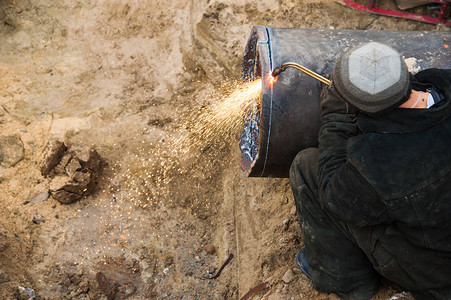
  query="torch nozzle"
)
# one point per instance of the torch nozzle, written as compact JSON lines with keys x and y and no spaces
{"x":309,"y":72}
{"x":278,"y":70}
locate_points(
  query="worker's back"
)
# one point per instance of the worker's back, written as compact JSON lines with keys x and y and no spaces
{"x":404,"y":155}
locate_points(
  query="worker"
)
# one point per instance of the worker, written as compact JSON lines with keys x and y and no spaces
{"x":374,"y":199}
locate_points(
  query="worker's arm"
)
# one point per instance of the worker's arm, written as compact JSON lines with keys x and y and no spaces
{"x":338,"y":125}
{"x":342,"y":190}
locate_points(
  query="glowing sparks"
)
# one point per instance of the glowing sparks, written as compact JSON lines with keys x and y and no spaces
{"x":174,"y":170}
{"x":222,"y":121}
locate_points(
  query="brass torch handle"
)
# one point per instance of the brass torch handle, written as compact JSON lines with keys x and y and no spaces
{"x":309,"y":72}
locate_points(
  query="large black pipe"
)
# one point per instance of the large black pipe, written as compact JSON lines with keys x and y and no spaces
{"x":288,"y":118}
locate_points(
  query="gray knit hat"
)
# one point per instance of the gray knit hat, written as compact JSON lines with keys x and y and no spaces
{"x":373,"y":77}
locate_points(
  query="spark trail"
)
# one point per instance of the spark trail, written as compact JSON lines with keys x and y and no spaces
{"x":164,"y":174}
{"x":221,"y":122}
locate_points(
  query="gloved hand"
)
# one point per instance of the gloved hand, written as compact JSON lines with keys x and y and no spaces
{"x":333,"y":102}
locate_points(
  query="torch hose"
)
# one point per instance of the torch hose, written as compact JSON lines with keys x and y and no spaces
{"x":309,"y":72}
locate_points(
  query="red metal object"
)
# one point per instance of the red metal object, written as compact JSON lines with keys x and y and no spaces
{"x":372,"y":7}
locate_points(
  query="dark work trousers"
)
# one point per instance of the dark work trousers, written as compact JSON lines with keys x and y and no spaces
{"x":337,"y":265}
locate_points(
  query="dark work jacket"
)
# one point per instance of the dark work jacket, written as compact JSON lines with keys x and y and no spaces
{"x":388,"y":180}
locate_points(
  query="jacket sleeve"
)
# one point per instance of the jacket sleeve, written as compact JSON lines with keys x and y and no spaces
{"x":342,"y":189}
{"x":336,"y":129}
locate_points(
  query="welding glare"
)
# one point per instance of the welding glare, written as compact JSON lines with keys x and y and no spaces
{"x":271,"y":80}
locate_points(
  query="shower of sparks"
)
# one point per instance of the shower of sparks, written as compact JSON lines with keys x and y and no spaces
{"x":221,"y":122}
{"x":173,"y":169}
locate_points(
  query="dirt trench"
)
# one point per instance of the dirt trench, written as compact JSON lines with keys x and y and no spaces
{"x":127,"y":78}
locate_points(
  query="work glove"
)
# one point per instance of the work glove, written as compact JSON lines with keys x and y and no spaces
{"x":333,"y":102}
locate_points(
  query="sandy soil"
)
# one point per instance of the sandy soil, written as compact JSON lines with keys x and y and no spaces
{"x":127,"y":78}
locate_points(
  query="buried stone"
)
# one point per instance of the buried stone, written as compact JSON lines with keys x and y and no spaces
{"x":11,"y":150}
{"x":73,"y":171}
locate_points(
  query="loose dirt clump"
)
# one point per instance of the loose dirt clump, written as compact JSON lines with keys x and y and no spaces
{"x":74,"y":172}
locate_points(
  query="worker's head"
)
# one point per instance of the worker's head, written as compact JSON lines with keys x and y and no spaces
{"x":373,"y":77}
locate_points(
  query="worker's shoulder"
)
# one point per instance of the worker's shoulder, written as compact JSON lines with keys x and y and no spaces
{"x":424,"y":74}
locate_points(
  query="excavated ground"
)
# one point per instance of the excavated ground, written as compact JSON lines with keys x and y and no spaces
{"x":127,"y":77}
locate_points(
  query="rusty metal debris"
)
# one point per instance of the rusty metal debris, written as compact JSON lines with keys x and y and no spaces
{"x":255,"y":290}
{"x":229,"y":259}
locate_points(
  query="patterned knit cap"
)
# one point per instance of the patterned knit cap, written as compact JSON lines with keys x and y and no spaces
{"x":373,"y":77}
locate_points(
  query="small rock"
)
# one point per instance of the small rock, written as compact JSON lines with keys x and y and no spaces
{"x":65,"y":197}
{"x":58,"y":183}
{"x":166,"y":271}
{"x":72,"y":167}
{"x":210,"y":249}
{"x":286,"y":224}
{"x":65,"y":159}
{"x":197,"y":258}
{"x":39,"y":198}
{"x":82,"y":177}
{"x":288,"y":276}
{"x":53,"y":152}
{"x":60,"y":169}
{"x":38,"y":219}
{"x":88,"y":157}
{"x":28,"y":291}
{"x":11,"y":150}
{"x":293,"y":211}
